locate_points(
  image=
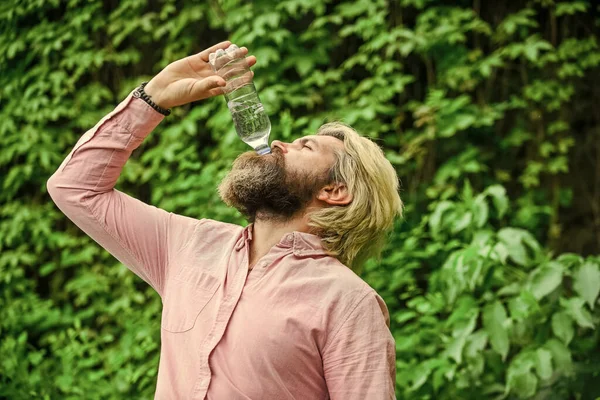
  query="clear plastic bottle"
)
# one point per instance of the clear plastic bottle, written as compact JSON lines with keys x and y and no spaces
{"x":251,"y":122}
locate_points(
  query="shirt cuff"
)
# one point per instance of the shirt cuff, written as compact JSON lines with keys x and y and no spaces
{"x":138,"y":117}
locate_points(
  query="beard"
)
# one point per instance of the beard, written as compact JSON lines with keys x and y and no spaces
{"x":260,"y":187}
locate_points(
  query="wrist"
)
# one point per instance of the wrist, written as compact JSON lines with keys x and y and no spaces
{"x":154,"y":95}
{"x":142,"y":93}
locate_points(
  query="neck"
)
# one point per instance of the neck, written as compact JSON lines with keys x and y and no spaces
{"x":266,"y":233}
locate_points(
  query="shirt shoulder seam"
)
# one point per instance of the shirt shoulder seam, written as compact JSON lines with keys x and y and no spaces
{"x":199,"y":222}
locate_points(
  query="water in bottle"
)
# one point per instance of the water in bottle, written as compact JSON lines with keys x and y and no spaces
{"x":251,"y":122}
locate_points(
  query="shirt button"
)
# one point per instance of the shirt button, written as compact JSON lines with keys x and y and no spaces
{"x":290,"y":237}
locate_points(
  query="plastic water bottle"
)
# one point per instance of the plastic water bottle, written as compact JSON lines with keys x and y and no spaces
{"x":251,"y":122}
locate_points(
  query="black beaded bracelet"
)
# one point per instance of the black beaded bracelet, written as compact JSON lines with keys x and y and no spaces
{"x":141,"y":94}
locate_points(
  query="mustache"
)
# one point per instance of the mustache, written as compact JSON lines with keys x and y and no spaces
{"x":250,"y":159}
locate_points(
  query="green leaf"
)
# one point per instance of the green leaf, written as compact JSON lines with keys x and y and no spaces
{"x":545,"y":279}
{"x":494,"y":320}
{"x":404,"y":316}
{"x":519,"y":377}
{"x":561,"y":356}
{"x":570,"y":8}
{"x":462,"y":222}
{"x":501,"y":251}
{"x":523,"y":18}
{"x":476,"y":343}
{"x":435,"y":221}
{"x":514,"y":246}
{"x":455,"y":348}
{"x":570,"y":260}
{"x":522,"y":306}
{"x":575,"y":307}
{"x":463,"y":320}
{"x":524,"y":384}
{"x":519,"y":242}
{"x":533,"y":45}
{"x":419,"y":375}
{"x":304,"y":65}
{"x":544,"y":363}
{"x":562,"y":326}
{"x":442,"y":374}
{"x":467,"y":193}
{"x":587,"y":282}
{"x":480,"y":210}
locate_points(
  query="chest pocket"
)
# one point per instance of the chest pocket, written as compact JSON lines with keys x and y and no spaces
{"x":187,"y":294}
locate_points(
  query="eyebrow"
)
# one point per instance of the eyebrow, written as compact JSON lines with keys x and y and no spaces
{"x":313,"y":141}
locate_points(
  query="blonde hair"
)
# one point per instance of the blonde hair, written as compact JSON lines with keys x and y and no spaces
{"x":356,"y":232}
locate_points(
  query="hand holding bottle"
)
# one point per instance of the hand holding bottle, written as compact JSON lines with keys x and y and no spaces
{"x":251,"y":122}
{"x":190,"y":79}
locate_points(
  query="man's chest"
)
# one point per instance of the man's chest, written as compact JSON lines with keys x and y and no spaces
{"x":280,"y":324}
{"x":274,"y":337}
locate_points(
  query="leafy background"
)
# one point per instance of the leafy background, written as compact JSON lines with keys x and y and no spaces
{"x":488,"y":110}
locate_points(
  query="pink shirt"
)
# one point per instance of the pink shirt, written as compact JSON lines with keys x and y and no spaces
{"x":299,"y":325}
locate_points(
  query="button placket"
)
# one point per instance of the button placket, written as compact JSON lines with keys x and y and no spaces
{"x":224,"y":313}
{"x":257,"y":273}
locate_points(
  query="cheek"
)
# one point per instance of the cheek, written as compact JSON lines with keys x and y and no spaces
{"x":312,"y":171}
{"x":307,"y":164}
{"x":294,"y":164}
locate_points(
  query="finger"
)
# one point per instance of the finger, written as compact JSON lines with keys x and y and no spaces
{"x":251,"y":60}
{"x":242,"y":52}
{"x":225,"y":57}
{"x":204,"y":53}
{"x":233,"y":70}
{"x":201,"y":87}
{"x":215,"y":92}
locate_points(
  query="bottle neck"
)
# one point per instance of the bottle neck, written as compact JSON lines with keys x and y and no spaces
{"x":263,"y":149}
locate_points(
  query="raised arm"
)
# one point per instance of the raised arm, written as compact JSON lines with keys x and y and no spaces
{"x":141,"y":236}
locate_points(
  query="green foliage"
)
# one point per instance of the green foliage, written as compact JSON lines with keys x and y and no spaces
{"x":486,"y":109}
{"x":496,"y":315}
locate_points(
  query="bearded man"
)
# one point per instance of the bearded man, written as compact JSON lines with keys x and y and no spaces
{"x":275,"y":309}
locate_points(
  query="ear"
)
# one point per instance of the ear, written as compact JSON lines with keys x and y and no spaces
{"x":335,"y":194}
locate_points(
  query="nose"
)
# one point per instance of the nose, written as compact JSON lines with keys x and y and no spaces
{"x":282,"y":146}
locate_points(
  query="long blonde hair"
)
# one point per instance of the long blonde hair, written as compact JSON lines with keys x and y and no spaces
{"x":357,"y":231}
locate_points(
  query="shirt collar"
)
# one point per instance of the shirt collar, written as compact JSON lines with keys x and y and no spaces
{"x":303,"y":244}
{"x":246,"y":237}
